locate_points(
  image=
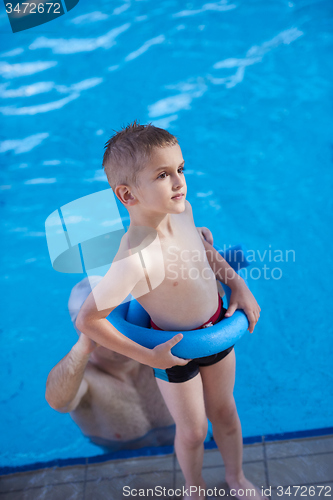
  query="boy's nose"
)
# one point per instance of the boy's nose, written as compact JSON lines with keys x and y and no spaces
{"x":179,"y":181}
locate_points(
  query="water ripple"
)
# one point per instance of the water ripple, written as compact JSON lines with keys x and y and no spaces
{"x":39,"y":108}
{"x":121,"y":8}
{"x":51,"y":162}
{"x":41,"y":180}
{"x":145,"y":47}
{"x":217,"y":6}
{"x":75,"y":45}
{"x":23,"y":145}
{"x":43,"y":87}
{"x":165,"y":122}
{"x":189,"y":90}
{"x":172,"y":104}
{"x":99,"y":176}
{"x":285,"y":37}
{"x":92,"y":17}
{"x":253,"y":55}
{"x":26,"y":90}
{"x":12,"y":53}
{"x":77,"y":87}
{"x":23,"y":69}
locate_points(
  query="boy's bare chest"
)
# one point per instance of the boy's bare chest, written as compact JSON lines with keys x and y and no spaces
{"x":181,"y":253}
{"x":187,"y":289}
{"x":178,"y":287}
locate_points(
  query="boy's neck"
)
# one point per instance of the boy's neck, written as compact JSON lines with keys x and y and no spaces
{"x":160,"y":222}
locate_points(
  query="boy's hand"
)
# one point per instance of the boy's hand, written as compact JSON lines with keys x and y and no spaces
{"x":205,"y":234}
{"x":162,"y":356}
{"x":242,"y":298}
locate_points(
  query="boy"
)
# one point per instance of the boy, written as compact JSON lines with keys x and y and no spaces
{"x":145,"y":168}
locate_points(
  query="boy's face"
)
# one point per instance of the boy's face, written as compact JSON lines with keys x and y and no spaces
{"x":161,"y":184}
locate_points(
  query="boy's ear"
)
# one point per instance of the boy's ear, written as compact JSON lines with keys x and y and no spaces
{"x":125,"y":195}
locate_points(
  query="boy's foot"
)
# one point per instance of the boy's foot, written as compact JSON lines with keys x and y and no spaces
{"x":248,"y":490}
{"x":194,"y":495}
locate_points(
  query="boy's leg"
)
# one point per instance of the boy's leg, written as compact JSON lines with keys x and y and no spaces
{"x":218,"y":384}
{"x":186,"y":405}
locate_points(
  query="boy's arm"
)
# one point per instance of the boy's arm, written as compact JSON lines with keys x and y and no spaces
{"x":241,"y":297}
{"x":116,"y":285}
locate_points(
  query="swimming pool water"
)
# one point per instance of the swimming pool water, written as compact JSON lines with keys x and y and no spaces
{"x":246,"y":87}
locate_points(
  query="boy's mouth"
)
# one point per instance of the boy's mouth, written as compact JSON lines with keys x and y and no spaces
{"x":178,"y":196}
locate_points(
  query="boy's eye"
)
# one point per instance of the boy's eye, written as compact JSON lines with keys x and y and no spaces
{"x":164,"y":174}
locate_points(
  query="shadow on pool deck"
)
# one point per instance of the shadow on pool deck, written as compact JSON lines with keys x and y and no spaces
{"x":299,"y":462}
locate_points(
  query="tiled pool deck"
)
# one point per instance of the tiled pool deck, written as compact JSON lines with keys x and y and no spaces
{"x":297,"y":462}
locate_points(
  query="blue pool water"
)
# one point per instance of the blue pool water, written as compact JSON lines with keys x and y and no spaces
{"x":246,"y":87}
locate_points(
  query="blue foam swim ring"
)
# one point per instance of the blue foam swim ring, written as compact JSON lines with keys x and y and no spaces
{"x":132,"y":320}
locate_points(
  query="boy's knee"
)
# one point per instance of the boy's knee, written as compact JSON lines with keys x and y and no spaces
{"x":226,"y":415}
{"x":194,"y":435}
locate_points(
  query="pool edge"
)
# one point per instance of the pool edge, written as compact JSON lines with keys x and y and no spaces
{"x":159,"y":450}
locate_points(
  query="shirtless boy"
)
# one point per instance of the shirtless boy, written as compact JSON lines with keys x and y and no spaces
{"x":145,"y":168}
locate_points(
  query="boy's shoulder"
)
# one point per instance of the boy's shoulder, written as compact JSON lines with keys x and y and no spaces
{"x":141,"y":253}
{"x":138,"y":244}
{"x":125,"y":256}
{"x":137,"y":238}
